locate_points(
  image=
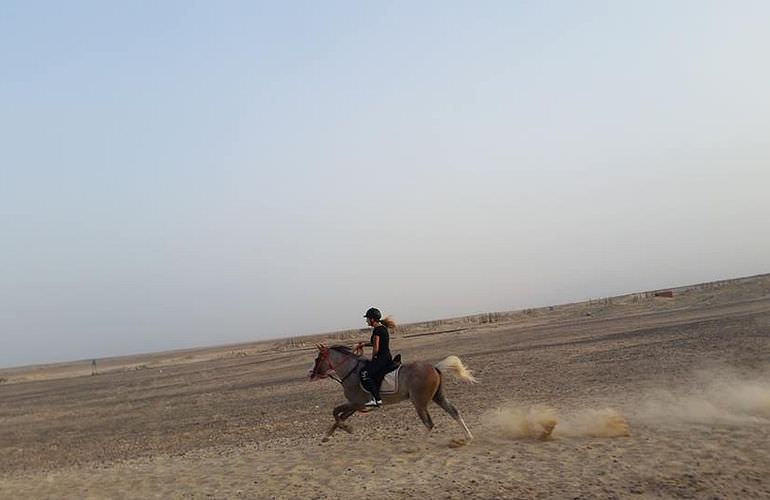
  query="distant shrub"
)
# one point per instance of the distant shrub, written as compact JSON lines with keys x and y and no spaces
{"x":3,"y":380}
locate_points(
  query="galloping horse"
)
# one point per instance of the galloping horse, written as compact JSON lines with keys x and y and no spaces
{"x":419,"y":382}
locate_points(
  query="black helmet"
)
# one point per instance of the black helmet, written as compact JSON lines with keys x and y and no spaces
{"x":373,"y":313}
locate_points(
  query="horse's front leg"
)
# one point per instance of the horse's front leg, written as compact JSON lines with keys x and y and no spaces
{"x":340,"y":413}
{"x":344,"y":416}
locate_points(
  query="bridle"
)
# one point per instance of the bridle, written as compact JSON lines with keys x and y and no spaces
{"x":325,"y":357}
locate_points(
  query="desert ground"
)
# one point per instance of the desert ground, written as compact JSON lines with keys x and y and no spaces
{"x":652,"y":397}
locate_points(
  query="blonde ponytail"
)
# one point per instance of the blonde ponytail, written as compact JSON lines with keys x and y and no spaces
{"x":388,"y":322}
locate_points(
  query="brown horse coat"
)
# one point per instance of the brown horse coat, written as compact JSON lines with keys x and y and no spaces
{"x":420,"y":382}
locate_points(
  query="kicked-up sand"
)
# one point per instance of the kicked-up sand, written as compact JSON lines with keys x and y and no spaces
{"x":636,"y":396}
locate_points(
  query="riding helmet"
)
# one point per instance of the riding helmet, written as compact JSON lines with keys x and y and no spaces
{"x":373,"y":313}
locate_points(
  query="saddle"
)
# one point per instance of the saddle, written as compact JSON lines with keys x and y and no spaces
{"x":389,"y":382}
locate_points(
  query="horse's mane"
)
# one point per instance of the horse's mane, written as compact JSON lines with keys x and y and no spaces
{"x":345,"y":350}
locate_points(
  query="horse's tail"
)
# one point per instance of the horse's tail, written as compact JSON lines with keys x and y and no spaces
{"x":453,"y":365}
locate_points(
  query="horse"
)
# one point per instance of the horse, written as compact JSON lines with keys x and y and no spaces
{"x":420,"y":382}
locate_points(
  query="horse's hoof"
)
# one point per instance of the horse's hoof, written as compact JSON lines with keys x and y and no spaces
{"x":325,"y":439}
{"x":456,"y":443}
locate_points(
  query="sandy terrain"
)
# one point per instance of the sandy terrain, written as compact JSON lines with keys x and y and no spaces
{"x":651,"y":397}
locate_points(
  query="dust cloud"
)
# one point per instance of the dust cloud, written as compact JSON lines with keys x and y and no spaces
{"x":715,"y":397}
{"x":545,"y":423}
{"x":706,"y":397}
{"x":595,"y":423}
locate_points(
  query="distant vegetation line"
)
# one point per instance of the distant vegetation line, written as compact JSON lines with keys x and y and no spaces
{"x":418,"y":328}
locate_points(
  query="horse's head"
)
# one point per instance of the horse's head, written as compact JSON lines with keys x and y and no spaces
{"x":322,"y":365}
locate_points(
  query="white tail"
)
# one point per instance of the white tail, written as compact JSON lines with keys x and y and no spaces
{"x":453,"y":365}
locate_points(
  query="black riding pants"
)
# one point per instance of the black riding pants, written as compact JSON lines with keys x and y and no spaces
{"x":374,"y":372}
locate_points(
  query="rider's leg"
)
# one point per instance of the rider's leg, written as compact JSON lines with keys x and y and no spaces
{"x":369,"y":383}
{"x":375,"y":390}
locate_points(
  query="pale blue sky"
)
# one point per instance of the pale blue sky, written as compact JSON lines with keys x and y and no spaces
{"x":178,"y":174}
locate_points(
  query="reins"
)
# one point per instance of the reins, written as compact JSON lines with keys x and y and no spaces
{"x":335,"y":377}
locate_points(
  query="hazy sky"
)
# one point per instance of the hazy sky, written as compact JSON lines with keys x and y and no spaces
{"x":178,"y":174}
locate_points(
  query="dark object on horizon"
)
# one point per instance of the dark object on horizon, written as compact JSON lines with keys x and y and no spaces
{"x":665,"y":293}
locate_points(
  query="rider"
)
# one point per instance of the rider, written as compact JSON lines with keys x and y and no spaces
{"x":371,"y":375}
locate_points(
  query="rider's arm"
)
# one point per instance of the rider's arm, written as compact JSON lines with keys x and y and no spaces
{"x":375,"y":346}
{"x":359,"y":347}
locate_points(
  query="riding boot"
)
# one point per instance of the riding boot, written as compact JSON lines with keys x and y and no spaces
{"x":375,"y":390}
{"x":371,"y":386}
{"x":367,"y":382}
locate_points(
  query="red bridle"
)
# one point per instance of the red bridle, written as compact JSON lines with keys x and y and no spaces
{"x":324,"y":356}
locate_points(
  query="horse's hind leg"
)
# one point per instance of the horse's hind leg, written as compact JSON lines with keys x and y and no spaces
{"x":442,"y":401}
{"x":422,"y":387}
{"x":425,"y":417}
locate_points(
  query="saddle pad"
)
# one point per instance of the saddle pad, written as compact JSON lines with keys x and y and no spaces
{"x":390,"y":382}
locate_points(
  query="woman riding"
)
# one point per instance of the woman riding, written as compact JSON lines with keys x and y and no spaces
{"x":381,"y":361}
